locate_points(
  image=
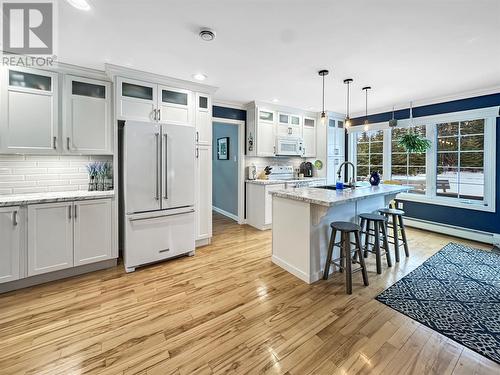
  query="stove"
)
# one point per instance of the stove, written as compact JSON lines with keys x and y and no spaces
{"x":281,"y":172}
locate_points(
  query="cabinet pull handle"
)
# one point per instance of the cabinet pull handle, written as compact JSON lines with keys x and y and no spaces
{"x":166,"y":165}
{"x":163,"y":251}
{"x":75,"y":216}
{"x":54,"y":143}
{"x":159,"y":115}
{"x":14,"y":218}
{"x":67,"y":142}
{"x":69,"y":212}
{"x":197,"y":136}
{"x":197,"y":152}
{"x":157,"y":136}
{"x":154,"y":114}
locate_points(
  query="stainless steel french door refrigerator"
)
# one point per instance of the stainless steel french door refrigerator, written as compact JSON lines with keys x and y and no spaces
{"x":158,"y":187}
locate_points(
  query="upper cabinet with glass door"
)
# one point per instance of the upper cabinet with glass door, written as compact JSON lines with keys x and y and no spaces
{"x":29,"y":111}
{"x":87,"y":113}
{"x":137,"y":100}
{"x":289,"y":125}
{"x":309,"y":137}
{"x":203,"y":119}
{"x":149,"y":102}
{"x":174,"y":106}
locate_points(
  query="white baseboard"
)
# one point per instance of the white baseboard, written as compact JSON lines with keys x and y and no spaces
{"x":225,"y":213}
{"x":293,"y":270}
{"x":469,"y":234}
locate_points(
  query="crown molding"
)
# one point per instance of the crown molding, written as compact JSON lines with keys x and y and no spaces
{"x":228,"y":104}
{"x":435,"y":100}
{"x":113,"y":71}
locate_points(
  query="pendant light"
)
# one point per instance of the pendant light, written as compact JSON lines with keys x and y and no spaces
{"x":365,"y":89}
{"x":323,"y":73}
{"x":348,"y":81}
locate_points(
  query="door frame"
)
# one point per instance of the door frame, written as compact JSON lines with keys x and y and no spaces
{"x":241,"y":163}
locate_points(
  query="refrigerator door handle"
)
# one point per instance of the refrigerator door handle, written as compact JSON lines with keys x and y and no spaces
{"x":157,"y":140}
{"x":166,"y":165}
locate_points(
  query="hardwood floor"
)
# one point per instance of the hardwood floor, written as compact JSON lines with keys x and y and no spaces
{"x":226,"y":310}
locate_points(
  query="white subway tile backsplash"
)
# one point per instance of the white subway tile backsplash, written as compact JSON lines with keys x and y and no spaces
{"x":22,"y":174}
{"x":65,"y":188}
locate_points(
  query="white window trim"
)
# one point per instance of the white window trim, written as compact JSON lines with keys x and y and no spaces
{"x":488,"y":114}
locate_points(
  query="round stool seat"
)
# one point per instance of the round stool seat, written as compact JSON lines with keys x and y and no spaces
{"x":372,"y":217}
{"x":391,"y":211}
{"x":345,"y":226}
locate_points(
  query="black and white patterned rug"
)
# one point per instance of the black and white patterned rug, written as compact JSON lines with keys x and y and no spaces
{"x":456,"y":292}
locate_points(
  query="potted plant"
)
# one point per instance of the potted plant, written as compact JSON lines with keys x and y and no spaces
{"x":414,"y":143}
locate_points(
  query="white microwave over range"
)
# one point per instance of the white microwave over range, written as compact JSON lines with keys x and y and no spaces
{"x":289,"y":146}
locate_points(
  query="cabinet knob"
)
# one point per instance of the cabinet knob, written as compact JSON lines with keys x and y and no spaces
{"x":14,"y":218}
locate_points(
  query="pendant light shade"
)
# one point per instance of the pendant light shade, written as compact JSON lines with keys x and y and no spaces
{"x":323,"y":73}
{"x":347,"y":122}
{"x":365,"y":89}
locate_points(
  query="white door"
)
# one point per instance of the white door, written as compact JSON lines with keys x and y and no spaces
{"x":9,"y":244}
{"x":142,"y":169}
{"x":265,"y":133}
{"x":175,"y":106}
{"x":29,"y":116}
{"x":203,"y":207}
{"x":137,"y":100}
{"x":50,"y":237}
{"x":92,"y":224}
{"x":309,"y":137}
{"x":177,"y":166}
{"x":203,"y":119}
{"x":87,"y":112}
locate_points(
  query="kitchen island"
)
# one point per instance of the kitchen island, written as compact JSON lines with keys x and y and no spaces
{"x":301,"y":220}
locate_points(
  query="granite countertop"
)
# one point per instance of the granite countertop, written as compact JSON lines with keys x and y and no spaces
{"x":65,"y":196}
{"x":329,"y":198}
{"x":275,"y":182}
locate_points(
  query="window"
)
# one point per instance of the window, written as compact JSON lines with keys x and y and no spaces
{"x":459,"y":169}
{"x":369,"y":153}
{"x":408,"y":169}
{"x":460,"y":159}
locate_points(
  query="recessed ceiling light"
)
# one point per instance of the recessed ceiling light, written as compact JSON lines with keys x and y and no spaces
{"x":275,"y":100}
{"x":199,"y":76}
{"x":207,"y":34}
{"x":79,"y":4}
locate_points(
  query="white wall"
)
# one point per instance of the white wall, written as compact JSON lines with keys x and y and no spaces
{"x":21,"y":174}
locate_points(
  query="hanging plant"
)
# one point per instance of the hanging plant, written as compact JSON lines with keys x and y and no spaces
{"x":414,"y":143}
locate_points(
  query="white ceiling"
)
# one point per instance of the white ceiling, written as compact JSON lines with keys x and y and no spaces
{"x":405,"y":49}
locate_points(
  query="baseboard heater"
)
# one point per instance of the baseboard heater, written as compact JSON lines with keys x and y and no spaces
{"x":469,"y":234}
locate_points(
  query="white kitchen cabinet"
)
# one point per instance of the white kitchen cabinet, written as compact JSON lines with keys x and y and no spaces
{"x":174,"y":106}
{"x":265,"y":132}
{"x":203,"y":120}
{"x":10,"y":246}
{"x":92,"y":231}
{"x":259,"y":204}
{"x":29,"y":111}
{"x":149,"y":102}
{"x":136,"y":100}
{"x":289,"y":125}
{"x":87,"y":113}
{"x":50,"y":237}
{"x":333,"y":164}
{"x":309,"y":137}
{"x":203,"y":201}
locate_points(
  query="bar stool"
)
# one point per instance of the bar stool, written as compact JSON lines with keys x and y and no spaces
{"x":396,"y":224}
{"x":346,"y":260}
{"x":379,"y":232}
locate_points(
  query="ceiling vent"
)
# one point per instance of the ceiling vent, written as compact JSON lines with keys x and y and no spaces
{"x":207,"y":34}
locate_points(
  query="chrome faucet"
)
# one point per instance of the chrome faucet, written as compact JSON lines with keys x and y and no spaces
{"x":352,"y":180}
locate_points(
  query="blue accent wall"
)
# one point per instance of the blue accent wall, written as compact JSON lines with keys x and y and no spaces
{"x":225,"y":172}
{"x":460,"y":217}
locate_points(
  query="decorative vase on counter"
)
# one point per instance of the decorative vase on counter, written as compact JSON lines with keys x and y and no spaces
{"x":374,"y":178}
